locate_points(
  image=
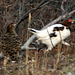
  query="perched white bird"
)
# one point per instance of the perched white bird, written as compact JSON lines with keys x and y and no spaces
{"x":54,"y":34}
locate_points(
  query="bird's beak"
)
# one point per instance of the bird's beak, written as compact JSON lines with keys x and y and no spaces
{"x":72,"y":22}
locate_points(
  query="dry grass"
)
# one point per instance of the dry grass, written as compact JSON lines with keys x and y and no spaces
{"x":55,"y":62}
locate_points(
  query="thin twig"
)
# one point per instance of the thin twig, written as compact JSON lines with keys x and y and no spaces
{"x":62,"y":5}
{"x":50,"y":39}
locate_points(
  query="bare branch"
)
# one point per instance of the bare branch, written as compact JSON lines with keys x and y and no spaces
{"x":67,"y":9}
{"x":31,"y":11}
{"x":60,"y":18}
{"x":62,"y":5}
{"x":26,"y":45}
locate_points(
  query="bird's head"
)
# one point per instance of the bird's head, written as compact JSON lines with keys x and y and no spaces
{"x":11,"y":27}
{"x":68,"y":23}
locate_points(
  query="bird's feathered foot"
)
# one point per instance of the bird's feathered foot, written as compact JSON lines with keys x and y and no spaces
{"x":65,"y":43}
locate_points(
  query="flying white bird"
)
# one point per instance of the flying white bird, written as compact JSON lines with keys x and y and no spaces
{"x":53,"y":34}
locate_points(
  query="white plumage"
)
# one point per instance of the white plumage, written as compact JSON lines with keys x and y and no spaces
{"x":52,"y":35}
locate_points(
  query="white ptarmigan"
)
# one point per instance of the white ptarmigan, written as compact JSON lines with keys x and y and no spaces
{"x":54,"y":34}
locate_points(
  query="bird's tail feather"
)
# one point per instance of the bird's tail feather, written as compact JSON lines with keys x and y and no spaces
{"x":33,"y":30}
